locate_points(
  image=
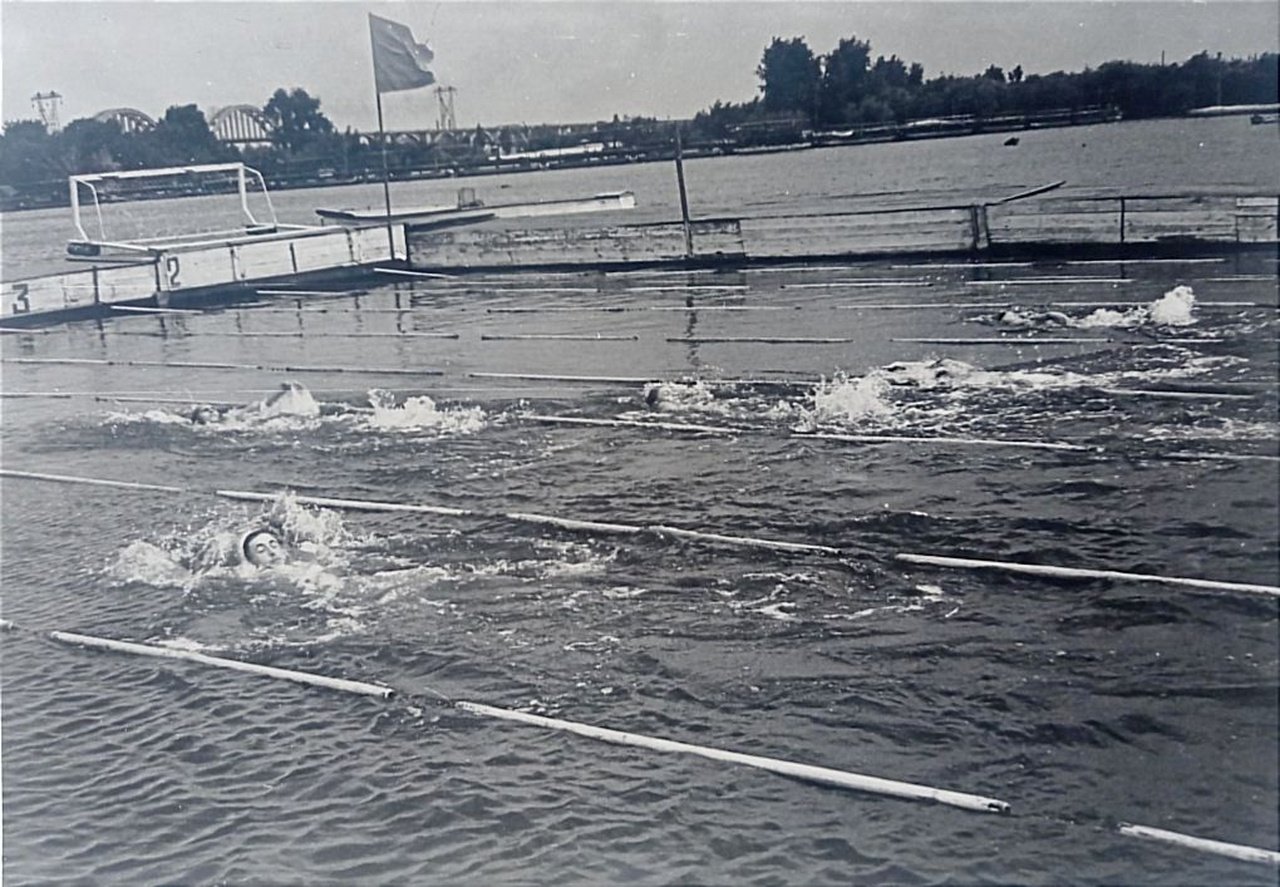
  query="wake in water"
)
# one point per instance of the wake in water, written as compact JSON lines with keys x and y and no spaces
{"x":1174,"y":309}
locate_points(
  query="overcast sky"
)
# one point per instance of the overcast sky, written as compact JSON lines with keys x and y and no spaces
{"x":538,"y":62}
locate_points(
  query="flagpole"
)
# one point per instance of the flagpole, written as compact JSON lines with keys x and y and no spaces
{"x":386,"y":176}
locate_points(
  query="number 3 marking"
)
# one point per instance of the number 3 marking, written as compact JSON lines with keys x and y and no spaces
{"x":21,"y":304}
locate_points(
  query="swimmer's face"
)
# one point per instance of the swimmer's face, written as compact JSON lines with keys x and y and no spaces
{"x":263,"y":549}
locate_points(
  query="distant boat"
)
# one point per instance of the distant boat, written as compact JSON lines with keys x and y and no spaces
{"x":1265,"y":118}
{"x":1011,"y":141}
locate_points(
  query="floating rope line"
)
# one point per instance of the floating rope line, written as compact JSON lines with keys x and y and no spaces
{"x":1079,"y":573}
{"x":710,"y":288}
{"x":665,"y":530}
{"x":805,"y":772}
{"x":1222,"y":848}
{"x":1236,"y":457}
{"x":553,"y":377}
{"x":307,"y":334}
{"x":198,"y":365}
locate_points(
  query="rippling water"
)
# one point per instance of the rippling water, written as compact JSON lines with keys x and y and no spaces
{"x":1082,"y":704}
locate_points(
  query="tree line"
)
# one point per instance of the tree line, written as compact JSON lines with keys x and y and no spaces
{"x":799,"y":90}
{"x":845,"y":87}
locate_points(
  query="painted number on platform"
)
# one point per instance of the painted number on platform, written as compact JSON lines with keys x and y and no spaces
{"x":171,"y":270}
{"x":21,"y":305}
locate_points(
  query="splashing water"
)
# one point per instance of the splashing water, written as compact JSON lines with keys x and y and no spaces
{"x":844,"y":401}
{"x":680,"y":395}
{"x":1172,"y":309}
{"x":422,"y":412}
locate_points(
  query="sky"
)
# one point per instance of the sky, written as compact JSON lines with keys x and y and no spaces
{"x":545,"y":61}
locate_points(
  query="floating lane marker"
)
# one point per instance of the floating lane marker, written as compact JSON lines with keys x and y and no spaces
{"x":301,"y":677}
{"x":1078,"y":573}
{"x":975,"y":441}
{"x":552,"y":377}
{"x":823,"y":775}
{"x":348,"y":504}
{"x":767,"y":340}
{"x":901,"y":306}
{"x":1034,"y":281}
{"x":619,"y":309}
{"x":554,"y":337}
{"x":721,"y":288}
{"x":430,"y":275}
{"x":1009,"y":340}
{"x":1182,"y":395}
{"x":855,"y":284}
{"x":624,"y":423}
{"x":310,"y":293}
{"x":136,"y":309}
{"x":89,"y":481}
{"x":1229,"y":457}
{"x":197,"y":365}
{"x":1222,"y":848}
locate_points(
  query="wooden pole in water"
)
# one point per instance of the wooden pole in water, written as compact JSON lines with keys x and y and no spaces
{"x":684,"y":197}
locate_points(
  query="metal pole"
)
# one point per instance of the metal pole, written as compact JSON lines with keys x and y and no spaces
{"x":684,"y":198}
{"x":386,"y":186}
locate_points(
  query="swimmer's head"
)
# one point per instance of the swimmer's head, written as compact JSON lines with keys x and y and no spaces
{"x":262,"y":548}
{"x":204,"y":414}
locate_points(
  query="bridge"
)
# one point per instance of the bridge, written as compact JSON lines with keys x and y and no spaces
{"x":245,"y":126}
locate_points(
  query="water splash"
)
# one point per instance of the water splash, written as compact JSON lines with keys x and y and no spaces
{"x":422,"y":412}
{"x":846,"y":401}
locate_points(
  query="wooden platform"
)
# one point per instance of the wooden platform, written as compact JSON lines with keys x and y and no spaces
{"x":1043,"y":225}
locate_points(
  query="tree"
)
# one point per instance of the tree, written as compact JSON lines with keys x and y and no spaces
{"x":845,"y":78}
{"x":183,"y":136}
{"x":789,"y":76}
{"x":994,"y":72}
{"x":296,"y":119}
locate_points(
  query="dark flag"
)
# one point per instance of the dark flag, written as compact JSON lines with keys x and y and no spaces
{"x":399,"y":61}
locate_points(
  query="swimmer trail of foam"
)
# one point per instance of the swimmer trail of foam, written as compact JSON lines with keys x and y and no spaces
{"x":823,"y":775}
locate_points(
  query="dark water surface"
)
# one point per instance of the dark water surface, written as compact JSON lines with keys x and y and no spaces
{"x":1082,"y":704}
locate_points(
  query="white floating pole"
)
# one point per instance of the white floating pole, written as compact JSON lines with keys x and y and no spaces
{"x":89,"y":481}
{"x":428,"y":274}
{"x":749,"y":541}
{"x":555,"y":337}
{"x":1079,"y":573}
{"x":347,"y":504}
{"x":623,"y":423}
{"x":141,"y":310}
{"x":553,"y":377}
{"x":263,"y":292}
{"x":1229,"y":457}
{"x":976,"y":441}
{"x":1032,"y":281}
{"x":768,"y":340}
{"x":202,"y":365}
{"x":1222,"y":848}
{"x":570,"y":524}
{"x":823,"y":775}
{"x":1183,"y":395}
{"x":855,"y":284}
{"x":1008,"y":340}
{"x":269,"y":671}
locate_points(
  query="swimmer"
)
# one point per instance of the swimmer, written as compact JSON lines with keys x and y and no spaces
{"x":262,"y":548}
{"x":293,"y":399}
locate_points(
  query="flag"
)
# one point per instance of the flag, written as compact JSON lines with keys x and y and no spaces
{"x":399,"y":61}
